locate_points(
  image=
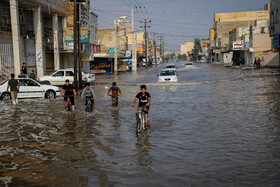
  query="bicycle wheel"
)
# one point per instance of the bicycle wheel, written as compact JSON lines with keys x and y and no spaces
{"x":143,"y":128}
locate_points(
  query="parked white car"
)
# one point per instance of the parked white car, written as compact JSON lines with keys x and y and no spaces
{"x":60,"y":76}
{"x":168,"y":76}
{"x":170,"y":67}
{"x":30,"y":88}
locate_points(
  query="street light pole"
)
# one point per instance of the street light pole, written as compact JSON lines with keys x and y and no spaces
{"x":134,"y":53}
{"x":116,"y":48}
{"x":75,"y":46}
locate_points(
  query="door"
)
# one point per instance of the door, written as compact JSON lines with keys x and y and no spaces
{"x":23,"y":89}
{"x":34,"y":89}
{"x":69,"y":76}
{"x":58,"y":78}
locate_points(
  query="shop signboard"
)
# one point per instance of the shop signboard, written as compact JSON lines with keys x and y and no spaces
{"x":101,"y":66}
{"x":112,"y":52}
{"x":69,"y":35}
{"x":128,"y":53}
{"x":238,"y":45}
{"x":212,"y":33}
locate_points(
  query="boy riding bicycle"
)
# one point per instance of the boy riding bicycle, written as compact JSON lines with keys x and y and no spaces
{"x":88,"y":93}
{"x":144,"y":102}
{"x":69,"y":92}
{"x":116,"y":92}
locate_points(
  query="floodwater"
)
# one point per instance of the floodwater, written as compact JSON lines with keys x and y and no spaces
{"x":216,"y":127}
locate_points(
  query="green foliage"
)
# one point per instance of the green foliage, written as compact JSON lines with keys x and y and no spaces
{"x":182,"y":57}
{"x":197,"y":49}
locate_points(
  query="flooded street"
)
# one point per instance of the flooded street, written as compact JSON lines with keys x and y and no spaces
{"x":216,"y":127}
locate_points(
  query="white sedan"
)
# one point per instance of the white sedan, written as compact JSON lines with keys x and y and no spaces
{"x":60,"y":76}
{"x":170,"y":67}
{"x":30,"y":88}
{"x":168,"y":76}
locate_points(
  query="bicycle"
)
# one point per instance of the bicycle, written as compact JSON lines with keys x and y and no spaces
{"x":140,"y":119}
{"x":69,"y":105}
{"x":89,"y":105}
{"x":114,"y":101}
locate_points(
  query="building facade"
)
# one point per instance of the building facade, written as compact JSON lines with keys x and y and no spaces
{"x":31,"y":33}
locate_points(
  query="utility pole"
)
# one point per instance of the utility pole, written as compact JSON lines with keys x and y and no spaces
{"x":79,"y":48}
{"x":155,"y":47}
{"x":116,"y":49}
{"x":146,"y":39}
{"x":134,"y":53}
{"x":161,"y":46}
{"x":75,"y":46}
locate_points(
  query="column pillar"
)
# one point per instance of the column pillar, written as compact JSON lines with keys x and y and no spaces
{"x":55,"y":42}
{"x":38,"y":30}
{"x":16,"y":35}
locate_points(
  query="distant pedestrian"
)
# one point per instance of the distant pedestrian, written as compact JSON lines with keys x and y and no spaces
{"x":259,"y":62}
{"x":32,"y":75}
{"x":256,"y":62}
{"x":13,"y":84}
{"x":24,"y":68}
{"x":21,"y":75}
{"x":262,"y":61}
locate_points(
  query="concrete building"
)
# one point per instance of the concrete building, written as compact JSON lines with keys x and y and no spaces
{"x":30,"y":32}
{"x":275,"y":25}
{"x":186,"y":48}
{"x":106,"y":39}
{"x":224,"y":22}
{"x":89,"y":35}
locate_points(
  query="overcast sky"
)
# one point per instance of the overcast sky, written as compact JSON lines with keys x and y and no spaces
{"x":179,"y":21}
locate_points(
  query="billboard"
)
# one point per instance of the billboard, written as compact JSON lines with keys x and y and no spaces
{"x":204,"y":46}
{"x":101,"y":66}
{"x":69,"y":35}
{"x":128,"y":53}
{"x":139,"y":48}
{"x":239,"y":45}
{"x":112,"y":52}
{"x":212,"y":33}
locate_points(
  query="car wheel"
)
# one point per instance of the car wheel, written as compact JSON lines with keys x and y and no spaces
{"x":6,"y":96}
{"x":46,"y":83}
{"x":50,"y":94}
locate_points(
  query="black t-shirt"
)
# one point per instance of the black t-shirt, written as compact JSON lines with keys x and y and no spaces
{"x":68,"y":90}
{"x":24,"y":69}
{"x":143,"y":100}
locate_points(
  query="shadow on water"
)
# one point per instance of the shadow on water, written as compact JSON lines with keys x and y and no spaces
{"x":144,"y":159}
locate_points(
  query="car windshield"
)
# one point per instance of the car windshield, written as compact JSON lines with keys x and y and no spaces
{"x":188,"y":64}
{"x":167,"y":73}
{"x":3,"y":82}
{"x":85,"y":72}
{"x":170,"y":67}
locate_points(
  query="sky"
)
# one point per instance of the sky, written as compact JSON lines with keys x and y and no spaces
{"x":179,"y":21}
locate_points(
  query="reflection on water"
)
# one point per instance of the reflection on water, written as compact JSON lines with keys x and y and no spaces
{"x":216,"y":127}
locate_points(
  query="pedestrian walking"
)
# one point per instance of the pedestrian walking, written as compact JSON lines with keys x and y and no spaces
{"x":13,"y":84}
{"x":32,"y":75}
{"x":259,"y":62}
{"x":262,"y":62}
{"x":256,"y":62}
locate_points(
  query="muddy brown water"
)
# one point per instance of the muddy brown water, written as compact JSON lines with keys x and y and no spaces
{"x":216,"y":127}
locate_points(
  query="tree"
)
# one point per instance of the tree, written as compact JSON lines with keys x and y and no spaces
{"x":197,"y":49}
{"x":182,"y":57}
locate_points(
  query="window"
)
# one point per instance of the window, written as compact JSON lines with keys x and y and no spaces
{"x":59,"y":74}
{"x":31,"y":83}
{"x":23,"y":82}
{"x":69,"y":74}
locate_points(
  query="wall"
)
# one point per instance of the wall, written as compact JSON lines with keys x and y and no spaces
{"x":274,"y":17}
{"x":261,"y":42}
{"x":107,"y":39}
{"x":185,"y":48}
{"x":227,"y":58}
{"x":242,"y":16}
